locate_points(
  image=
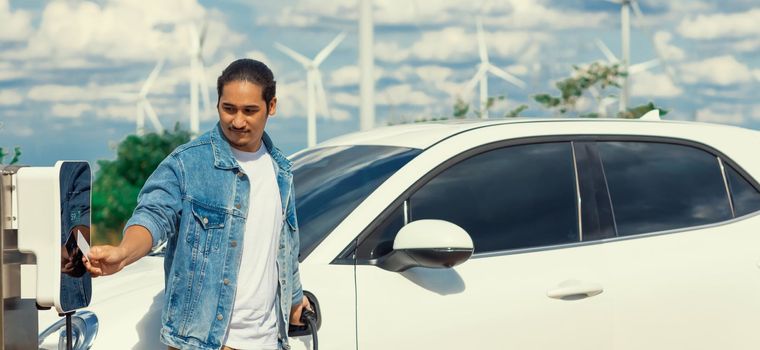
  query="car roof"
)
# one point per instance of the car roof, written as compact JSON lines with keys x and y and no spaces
{"x":426,"y":134}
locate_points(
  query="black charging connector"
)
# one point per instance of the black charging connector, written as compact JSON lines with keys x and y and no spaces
{"x":311,"y":318}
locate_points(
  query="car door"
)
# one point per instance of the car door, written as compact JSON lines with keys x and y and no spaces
{"x":531,"y":284}
{"x":684,"y":265}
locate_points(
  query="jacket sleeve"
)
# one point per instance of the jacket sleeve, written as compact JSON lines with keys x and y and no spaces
{"x":159,"y":204}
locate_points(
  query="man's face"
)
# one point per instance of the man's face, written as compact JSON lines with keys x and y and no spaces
{"x":243,"y":114}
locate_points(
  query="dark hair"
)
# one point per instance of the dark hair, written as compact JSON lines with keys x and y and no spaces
{"x":252,"y":71}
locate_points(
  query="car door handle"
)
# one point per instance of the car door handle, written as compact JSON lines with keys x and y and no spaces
{"x":574,"y":290}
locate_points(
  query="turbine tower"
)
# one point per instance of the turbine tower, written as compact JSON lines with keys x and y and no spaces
{"x":625,"y":38}
{"x":198,"y":78}
{"x":366,"y":66}
{"x":482,"y":73}
{"x":314,"y":86}
{"x":142,"y":105}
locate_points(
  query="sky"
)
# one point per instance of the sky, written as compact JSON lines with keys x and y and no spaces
{"x":69,"y":69}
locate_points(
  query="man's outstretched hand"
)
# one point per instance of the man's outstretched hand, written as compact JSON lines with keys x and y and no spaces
{"x":105,"y":260}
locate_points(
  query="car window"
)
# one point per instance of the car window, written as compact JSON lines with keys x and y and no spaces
{"x":330,"y":182}
{"x":659,"y":186}
{"x":508,"y":198}
{"x":746,"y":197}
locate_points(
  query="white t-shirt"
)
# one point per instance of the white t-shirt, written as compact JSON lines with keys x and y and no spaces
{"x":253,"y":324}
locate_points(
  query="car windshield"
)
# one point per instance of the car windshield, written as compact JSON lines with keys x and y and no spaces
{"x":330,"y":182}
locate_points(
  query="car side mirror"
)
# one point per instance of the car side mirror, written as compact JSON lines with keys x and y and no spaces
{"x":427,"y":243}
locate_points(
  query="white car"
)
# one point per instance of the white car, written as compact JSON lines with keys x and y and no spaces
{"x":587,"y":234}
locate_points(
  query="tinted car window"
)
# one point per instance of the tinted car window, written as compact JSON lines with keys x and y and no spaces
{"x":657,"y":186}
{"x":331,"y":182}
{"x":514,"y":197}
{"x":746,"y":197}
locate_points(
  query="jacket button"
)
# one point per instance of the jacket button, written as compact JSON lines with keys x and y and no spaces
{"x":226,"y":281}
{"x":205,"y":220}
{"x":240,"y":174}
{"x":219,"y":317}
{"x":237,"y":206}
{"x":233,"y":244}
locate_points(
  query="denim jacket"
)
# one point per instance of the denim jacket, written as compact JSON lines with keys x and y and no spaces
{"x":197,"y":198}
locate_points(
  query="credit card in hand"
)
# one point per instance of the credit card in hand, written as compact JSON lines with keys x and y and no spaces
{"x":83,"y":245}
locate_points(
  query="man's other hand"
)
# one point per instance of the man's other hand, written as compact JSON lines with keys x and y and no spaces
{"x":295,"y":312}
{"x":105,"y":260}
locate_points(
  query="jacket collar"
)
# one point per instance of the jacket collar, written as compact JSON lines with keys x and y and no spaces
{"x":224,"y":159}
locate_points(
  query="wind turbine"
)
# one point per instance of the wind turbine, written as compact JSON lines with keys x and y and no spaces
{"x":197,"y":78}
{"x":366,"y":66}
{"x":625,"y":32}
{"x":142,"y":104}
{"x":482,"y":73}
{"x":314,"y":87}
{"x":632,"y":70}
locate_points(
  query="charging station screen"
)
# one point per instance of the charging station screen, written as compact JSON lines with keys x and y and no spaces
{"x":76,"y":282}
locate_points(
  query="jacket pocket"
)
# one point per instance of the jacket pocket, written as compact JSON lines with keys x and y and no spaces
{"x":210,"y":227}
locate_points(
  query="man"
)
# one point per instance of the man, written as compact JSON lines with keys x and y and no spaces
{"x":224,"y":202}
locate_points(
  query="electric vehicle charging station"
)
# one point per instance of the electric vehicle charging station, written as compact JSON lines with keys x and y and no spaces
{"x":45,"y":226}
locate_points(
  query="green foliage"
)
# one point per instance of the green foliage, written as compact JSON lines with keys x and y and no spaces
{"x":117,"y":182}
{"x":595,"y":75}
{"x":461,"y":108}
{"x":16,"y":155}
{"x":516,"y":112}
{"x":639,"y":111}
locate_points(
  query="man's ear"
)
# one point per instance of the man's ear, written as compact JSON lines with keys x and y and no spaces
{"x":273,"y":106}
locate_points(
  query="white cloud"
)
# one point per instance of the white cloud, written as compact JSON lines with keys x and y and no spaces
{"x":403,"y":94}
{"x":441,"y":78}
{"x":709,"y":115}
{"x":71,"y":34}
{"x":747,"y":45}
{"x":461,"y":45}
{"x":390,"y":51}
{"x":730,"y":25}
{"x":349,"y":75}
{"x":10,"y":97}
{"x":655,"y":85}
{"x":511,"y":14}
{"x":346,"y":99}
{"x":722,"y":70}
{"x":340,"y":114}
{"x":670,"y":51}
{"x":59,"y":93}
{"x":434,"y":73}
{"x":16,"y":25}
{"x":70,"y":110}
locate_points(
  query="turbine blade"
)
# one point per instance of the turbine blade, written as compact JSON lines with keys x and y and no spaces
{"x":292,"y":54}
{"x":636,"y":9}
{"x":202,"y":39}
{"x":153,"y":117}
{"x":321,"y":95}
{"x":640,"y":67}
{"x":474,"y":81}
{"x":506,"y":76}
{"x":665,"y":64}
{"x":606,"y":51}
{"x":328,"y":49}
{"x":482,"y":49}
{"x":151,"y":78}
